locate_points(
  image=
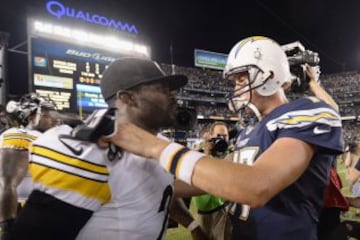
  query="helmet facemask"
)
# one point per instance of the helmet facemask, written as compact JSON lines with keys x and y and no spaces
{"x":237,"y":101}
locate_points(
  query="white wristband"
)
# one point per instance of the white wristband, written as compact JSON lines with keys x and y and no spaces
{"x":180,"y":161}
{"x":192,"y":226}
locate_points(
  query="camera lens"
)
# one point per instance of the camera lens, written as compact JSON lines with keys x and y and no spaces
{"x":220,"y":145}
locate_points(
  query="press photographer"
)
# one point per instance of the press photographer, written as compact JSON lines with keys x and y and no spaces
{"x":217,"y":140}
{"x":211,"y":212}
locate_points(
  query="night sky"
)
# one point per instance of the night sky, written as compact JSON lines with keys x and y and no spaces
{"x":331,"y":28}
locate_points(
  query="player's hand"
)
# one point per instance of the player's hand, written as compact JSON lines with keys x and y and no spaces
{"x":199,"y":234}
{"x":136,"y":140}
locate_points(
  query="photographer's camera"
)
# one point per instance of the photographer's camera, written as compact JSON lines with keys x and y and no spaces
{"x":220,"y":145}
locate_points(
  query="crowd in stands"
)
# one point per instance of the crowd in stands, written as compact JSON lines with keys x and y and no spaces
{"x":345,"y":89}
{"x":210,"y":80}
{"x":206,"y":92}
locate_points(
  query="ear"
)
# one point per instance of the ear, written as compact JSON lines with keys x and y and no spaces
{"x":127,"y":98}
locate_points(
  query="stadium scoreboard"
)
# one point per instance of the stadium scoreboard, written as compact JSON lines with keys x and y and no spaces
{"x":68,"y":73}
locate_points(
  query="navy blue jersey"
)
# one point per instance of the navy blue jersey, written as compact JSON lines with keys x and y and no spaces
{"x":293,"y":213}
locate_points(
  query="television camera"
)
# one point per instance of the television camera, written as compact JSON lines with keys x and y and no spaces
{"x":298,"y":56}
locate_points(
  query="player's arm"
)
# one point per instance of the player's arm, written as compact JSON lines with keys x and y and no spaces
{"x":180,"y":214}
{"x":253,"y":185}
{"x":13,"y":168}
{"x":184,"y":190}
{"x":317,"y":90}
{"x":257,"y":184}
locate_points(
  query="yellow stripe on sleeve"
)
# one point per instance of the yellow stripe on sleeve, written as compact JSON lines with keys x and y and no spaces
{"x":298,"y":119}
{"x":68,"y":160}
{"x":68,"y":182}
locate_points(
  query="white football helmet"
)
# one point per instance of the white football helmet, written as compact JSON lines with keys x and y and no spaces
{"x":265,"y":62}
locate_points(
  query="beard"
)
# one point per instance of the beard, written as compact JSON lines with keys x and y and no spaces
{"x":155,"y":116}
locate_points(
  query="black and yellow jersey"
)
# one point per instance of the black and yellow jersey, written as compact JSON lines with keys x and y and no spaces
{"x":72,"y":171}
{"x":20,"y":139}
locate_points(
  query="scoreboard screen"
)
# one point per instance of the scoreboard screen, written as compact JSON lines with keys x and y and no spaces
{"x":68,"y":73}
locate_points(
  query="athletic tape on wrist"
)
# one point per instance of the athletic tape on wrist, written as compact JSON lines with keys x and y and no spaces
{"x":192,"y":226}
{"x":179,"y":161}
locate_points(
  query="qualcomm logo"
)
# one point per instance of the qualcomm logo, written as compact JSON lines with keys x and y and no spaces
{"x":58,"y":10}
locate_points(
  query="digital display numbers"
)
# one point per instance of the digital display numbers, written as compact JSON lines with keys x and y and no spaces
{"x":69,"y":73}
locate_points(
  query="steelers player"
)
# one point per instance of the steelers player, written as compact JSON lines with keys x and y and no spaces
{"x":33,"y":114}
{"x":141,"y":189}
{"x":278,"y":176}
{"x":78,"y":186}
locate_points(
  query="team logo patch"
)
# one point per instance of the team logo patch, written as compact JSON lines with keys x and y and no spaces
{"x":301,"y":118}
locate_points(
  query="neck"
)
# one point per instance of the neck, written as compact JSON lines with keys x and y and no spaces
{"x":151,"y":130}
{"x":124,"y":117}
{"x":273,"y":102}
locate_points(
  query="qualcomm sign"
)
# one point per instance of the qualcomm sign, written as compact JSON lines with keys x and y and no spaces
{"x":58,"y":10}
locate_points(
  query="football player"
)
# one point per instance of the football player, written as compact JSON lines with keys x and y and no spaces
{"x":70,"y":182}
{"x":33,"y":114}
{"x":80,"y":191}
{"x":278,"y":176}
{"x":141,"y":189}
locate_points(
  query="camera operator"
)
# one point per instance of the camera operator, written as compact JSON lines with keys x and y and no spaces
{"x":212,"y":215}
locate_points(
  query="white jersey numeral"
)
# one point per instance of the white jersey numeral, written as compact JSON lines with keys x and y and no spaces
{"x":244,"y":156}
{"x":164,"y":206}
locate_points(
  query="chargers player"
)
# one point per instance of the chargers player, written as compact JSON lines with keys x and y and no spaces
{"x":34,"y":116}
{"x":278,"y":176}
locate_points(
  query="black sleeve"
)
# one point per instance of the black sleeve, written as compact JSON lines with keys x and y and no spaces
{"x":45,"y":217}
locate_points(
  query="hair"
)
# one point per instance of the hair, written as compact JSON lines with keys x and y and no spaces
{"x":217,"y":123}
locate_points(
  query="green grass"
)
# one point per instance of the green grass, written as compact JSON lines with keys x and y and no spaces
{"x":180,"y":233}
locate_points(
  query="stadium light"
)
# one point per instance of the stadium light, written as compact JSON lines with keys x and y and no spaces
{"x":85,"y":37}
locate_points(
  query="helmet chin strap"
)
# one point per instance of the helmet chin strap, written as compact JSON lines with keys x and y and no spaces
{"x":33,"y":124}
{"x":252,"y":107}
{"x":265,"y":77}
{"x":255,"y":110}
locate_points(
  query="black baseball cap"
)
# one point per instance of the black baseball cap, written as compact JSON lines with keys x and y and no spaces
{"x":129,"y":72}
